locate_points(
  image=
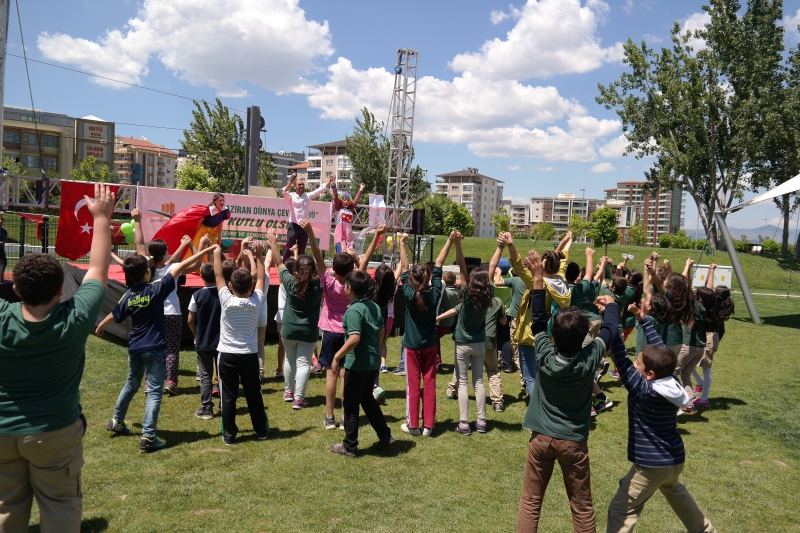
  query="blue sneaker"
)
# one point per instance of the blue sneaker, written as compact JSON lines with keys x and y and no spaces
{"x":463,"y":428}
{"x":118,"y":428}
{"x":151,"y":445}
{"x":384,"y":369}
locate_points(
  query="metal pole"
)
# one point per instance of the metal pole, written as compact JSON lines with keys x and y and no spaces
{"x":4,"y":11}
{"x":21,"y":238}
{"x":45,"y":234}
{"x":737,"y":267}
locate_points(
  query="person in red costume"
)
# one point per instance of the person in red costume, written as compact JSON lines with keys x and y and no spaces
{"x":196,"y":221}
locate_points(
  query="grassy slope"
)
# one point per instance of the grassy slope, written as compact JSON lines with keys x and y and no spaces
{"x":445,"y":483}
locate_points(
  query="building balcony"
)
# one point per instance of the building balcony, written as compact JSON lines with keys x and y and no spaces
{"x":160,"y":162}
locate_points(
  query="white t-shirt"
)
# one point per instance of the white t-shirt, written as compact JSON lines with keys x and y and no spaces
{"x":263,"y":315}
{"x":281,"y":304}
{"x":239,"y":322}
{"x":172,"y":305}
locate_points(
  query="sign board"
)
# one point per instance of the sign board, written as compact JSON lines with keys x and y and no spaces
{"x":723,"y":275}
{"x":250,"y":215}
{"x":101,"y":152}
{"x":86,"y":130}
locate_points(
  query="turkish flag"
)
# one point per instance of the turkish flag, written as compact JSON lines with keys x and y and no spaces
{"x":75,"y":222}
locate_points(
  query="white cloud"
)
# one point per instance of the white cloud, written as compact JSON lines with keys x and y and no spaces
{"x":628,"y":7}
{"x":269,"y":43}
{"x":550,"y":37}
{"x":514,"y":168}
{"x":694,"y":22}
{"x":543,"y":169}
{"x":650,"y":38}
{"x":495,"y":118}
{"x":615,"y":148}
{"x":603,"y":167}
{"x":497,"y":17}
{"x":790,"y":23}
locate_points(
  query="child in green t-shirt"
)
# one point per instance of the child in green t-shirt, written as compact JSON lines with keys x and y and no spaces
{"x":363,"y":328}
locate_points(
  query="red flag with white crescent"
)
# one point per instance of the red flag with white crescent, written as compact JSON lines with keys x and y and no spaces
{"x":75,"y":222}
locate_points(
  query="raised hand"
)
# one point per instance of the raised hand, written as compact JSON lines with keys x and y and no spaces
{"x":259,"y":249}
{"x":136,"y":214}
{"x":534,"y":264}
{"x":205,"y":242}
{"x":186,"y":239}
{"x":102,"y":205}
{"x":272,"y":237}
{"x":381,"y":230}
{"x":601,"y":301}
{"x":404,"y":238}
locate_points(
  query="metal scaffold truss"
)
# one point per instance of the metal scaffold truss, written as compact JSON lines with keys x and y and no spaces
{"x":401,"y":131}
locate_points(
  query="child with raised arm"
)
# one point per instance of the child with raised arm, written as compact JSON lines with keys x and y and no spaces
{"x":654,"y":445}
{"x":559,"y":411}
{"x":42,"y":358}
{"x":300,"y":318}
{"x":238,"y":345}
{"x":344,"y":210}
{"x":204,"y":321}
{"x":422,"y":288}
{"x":360,"y":356}
{"x":147,"y":344}
{"x":724,"y":309}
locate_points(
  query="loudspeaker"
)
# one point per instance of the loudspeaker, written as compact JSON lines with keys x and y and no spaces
{"x":418,"y":222}
{"x":472,"y":261}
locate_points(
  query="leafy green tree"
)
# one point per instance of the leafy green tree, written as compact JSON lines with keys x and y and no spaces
{"x":459,"y":218}
{"x":437,"y":207}
{"x":543,"y":231}
{"x":603,"y":227}
{"x":89,"y":169}
{"x":578,"y":226}
{"x":14,"y":167}
{"x":191,"y":176}
{"x":665,"y":240}
{"x":501,"y":220}
{"x":675,"y":106}
{"x":368,"y":151}
{"x":266,"y":170}
{"x":637,"y":233}
{"x":216,"y":140}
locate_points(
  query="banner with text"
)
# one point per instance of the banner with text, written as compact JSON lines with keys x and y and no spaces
{"x":250,"y":215}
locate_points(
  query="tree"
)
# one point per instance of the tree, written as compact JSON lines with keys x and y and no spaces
{"x":266,"y":170}
{"x":637,"y":233}
{"x":368,"y":150}
{"x":675,"y":106}
{"x":578,"y":226}
{"x":603,"y":227}
{"x":14,"y":167}
{"x":90,"y":170}
{"x":501,"y":220}
{"x":543,"y":231}
{"x":437,"y":207}
{"x":459,"y":218}
{"x":216,"y":140}
{"x":191,"y":176}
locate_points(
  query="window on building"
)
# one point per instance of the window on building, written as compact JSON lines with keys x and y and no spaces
{"x":150,"y":159}
{"x":150,"y":169}
{"x":328,"y":173}
{"x":329,"y":162}
{"x":30,"y":118}
{"x":30,"y":161}
{"x":13,"y":156}
{"x":11,"y":136}
{"x":50,"y":141}
{"x":50,"y":163}
{"x":31,"y":138}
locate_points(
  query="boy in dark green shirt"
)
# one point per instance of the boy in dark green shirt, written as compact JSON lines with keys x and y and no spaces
{"x":558,"y":414}
{"x":363,"y":329}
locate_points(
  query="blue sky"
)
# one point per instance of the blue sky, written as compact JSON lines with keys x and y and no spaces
{"x":508,"y":89}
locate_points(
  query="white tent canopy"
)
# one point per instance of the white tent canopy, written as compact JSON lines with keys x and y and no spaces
{"x":793,"y":185}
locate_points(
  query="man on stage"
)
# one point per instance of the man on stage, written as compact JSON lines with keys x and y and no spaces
{"x":299,"y":202}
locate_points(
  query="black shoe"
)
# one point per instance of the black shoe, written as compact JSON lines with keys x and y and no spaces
{"x":263,"y":437}
{"x":151,"y":445}
{"x":381,"y":444}
{"x":206,"y":413}
{"x":229,"y":442}
{"x":341,"y":450}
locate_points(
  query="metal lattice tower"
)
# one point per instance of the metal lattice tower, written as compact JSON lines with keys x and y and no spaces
{"x":401,"y":120}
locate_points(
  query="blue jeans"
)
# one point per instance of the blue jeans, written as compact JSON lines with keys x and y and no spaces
{"x":402,"y":357}
{"x":527,"y":362}
{"x":153,"y":366}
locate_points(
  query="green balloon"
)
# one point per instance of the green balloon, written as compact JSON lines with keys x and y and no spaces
{"x":126,"y":228}
{"x":129,"y":238}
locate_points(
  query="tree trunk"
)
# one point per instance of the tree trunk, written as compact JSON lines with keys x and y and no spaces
{"x":787,"y":214}
{"x":606,"y":249}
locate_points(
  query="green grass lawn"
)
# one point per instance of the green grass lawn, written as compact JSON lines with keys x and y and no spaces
{"x":743,"y":455}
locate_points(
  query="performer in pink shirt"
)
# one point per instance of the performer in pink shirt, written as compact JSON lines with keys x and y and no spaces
{"x":299,"y":202}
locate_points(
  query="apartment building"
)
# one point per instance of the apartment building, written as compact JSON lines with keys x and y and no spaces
{"x":141,"y":162}
{"x":557,"y":211}
{"x":326,"y":160}
{"x":662,"y":213}
{"x":519,"y":210}
{"x":54,"y":141}
{"x":480,"y":194}
{"x":283,"y":163}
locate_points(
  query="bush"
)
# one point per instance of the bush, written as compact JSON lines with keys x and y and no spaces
{"x":770,"y":247}
{"x":665,"y":241}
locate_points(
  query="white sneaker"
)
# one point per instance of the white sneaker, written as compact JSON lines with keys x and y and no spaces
{"x":426,"y":432}
{"x":414,"y":432}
